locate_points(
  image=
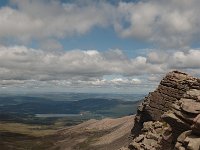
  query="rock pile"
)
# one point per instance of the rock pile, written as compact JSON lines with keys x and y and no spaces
{"x":184,"y":120}
{"x":169,"y":117}
{"x":151,"y":134}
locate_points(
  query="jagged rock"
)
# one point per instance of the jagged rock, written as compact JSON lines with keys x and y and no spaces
{"x":150,"y":136}
{"x":167,"y":134}
{"x":186,"y":118}
{"x":139,"y":138}
{"x":183,"y":135}
{"x":178,"y":126}
{"x":193,"y":142}
{"x":169,"y":117}
{"x":196,"y":125}
{"x":171,"y":89}
{"x":193,"y":93}
{"x":190,"y":106}
{"x":188,"y":141}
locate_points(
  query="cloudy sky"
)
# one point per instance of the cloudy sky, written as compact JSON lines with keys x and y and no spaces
{"x":121,"y":46}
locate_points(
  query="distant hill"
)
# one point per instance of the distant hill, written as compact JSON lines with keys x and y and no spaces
{"x":25,"y":109}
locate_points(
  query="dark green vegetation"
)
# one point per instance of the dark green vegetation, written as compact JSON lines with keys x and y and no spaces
{"x":21,"y":128}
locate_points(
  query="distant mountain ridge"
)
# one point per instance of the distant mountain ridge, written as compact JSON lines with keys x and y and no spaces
{"x":30,"y":106}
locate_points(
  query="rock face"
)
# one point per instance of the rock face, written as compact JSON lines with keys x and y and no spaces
{"x":169,"y":117}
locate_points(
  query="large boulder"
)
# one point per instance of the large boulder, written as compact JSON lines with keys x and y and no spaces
{"x":175,"y":105}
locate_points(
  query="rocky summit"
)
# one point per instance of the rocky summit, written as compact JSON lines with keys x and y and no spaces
{"x":169,"y":117}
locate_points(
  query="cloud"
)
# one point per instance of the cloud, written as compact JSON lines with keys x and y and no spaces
{"x":157,"y":57}
{"x":167,"y":24}
{"x":19,"y":63}
{"x":41,"y":19}
{"x":44,"y":65}
{"x":50,"y":45}
{"x":35,"y":68}
{"x":184,"y":60}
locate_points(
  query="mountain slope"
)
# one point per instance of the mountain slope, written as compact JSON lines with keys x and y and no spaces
{"x":96,"y":134}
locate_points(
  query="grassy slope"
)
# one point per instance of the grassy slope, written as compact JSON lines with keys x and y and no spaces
{"x":31,"y":130}
{"x":18,"y":136}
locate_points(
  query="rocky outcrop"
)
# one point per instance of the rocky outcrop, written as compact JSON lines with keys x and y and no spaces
{"x":184,"y":120}
{"x":169,"y":117}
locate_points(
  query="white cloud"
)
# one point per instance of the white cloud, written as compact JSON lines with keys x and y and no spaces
{"x":35,"y":68}
{"x":136,"y":81}
{"x":74,"y":67}
{"x":172,"y":23}
{"x":39,"y":19}
{"x":184,"y":60}
{"x":157,"y":57}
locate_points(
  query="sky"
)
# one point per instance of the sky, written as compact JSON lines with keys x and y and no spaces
{"x":98,"y":46}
